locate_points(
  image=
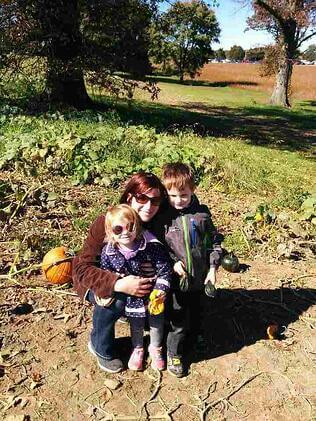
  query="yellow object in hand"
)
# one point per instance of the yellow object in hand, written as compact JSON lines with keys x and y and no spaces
{"x":156,"y":302}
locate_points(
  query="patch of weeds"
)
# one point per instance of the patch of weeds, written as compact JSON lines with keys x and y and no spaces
{"x":237,"y":242}
{"x":308,"y":209}
{"x":292,"y":197}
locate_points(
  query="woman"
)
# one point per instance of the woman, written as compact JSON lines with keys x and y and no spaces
{"x":146,"y":195}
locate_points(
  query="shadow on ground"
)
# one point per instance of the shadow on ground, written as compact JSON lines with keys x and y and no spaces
{"x":239,"y":317}
{"x":293,"y":130}
{"x":277,"y":127}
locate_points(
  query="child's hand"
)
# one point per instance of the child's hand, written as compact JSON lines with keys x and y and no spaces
{"x":179,"y":268}
{"x":211,"y":276}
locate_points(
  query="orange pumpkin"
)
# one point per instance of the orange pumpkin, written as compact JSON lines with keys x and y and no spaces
{"x":272,"y":331}
{"x":57,"y":265}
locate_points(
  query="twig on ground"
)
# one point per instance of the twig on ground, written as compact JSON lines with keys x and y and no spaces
{"x":51,"y":291}
{"x":226,"y":397}
{"x":93,"y":393}
{"x":11,"y":274}
{"x":281,"y":305}
{"x":131,"y":400}
{"x":152,"y":396}
{"x":301,"y":296}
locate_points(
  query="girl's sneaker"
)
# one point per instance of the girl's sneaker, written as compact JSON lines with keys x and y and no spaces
{"x":157,"y":361}
{"x":136,"y":359}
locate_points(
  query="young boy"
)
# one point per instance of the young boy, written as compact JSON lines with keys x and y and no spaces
{"x":194,"y":246}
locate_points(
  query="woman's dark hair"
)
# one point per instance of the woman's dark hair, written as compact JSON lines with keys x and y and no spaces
{"x":140,"y":183}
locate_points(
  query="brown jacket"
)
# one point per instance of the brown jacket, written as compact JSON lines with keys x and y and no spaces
{"x":86,"y":273}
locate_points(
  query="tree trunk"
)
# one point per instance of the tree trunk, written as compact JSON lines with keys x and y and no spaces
{"x":280,"y":95}
{"x":67,"y":86}
{"x":65,"y":82}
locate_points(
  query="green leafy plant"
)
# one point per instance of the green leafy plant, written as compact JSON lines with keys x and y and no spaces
{"x":262,"y":214}
{"x":308,"y":209}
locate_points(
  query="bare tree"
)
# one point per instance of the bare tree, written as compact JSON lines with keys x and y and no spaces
{"x":291,"y":22}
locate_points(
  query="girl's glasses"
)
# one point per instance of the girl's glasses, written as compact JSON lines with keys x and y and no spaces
{"x":143,"y":198}
{"x":118,"y":229}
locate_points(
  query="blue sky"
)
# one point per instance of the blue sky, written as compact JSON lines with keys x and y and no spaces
{"x":232,"y":20}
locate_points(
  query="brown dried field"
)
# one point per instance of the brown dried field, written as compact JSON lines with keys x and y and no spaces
{"x":243,"y":75}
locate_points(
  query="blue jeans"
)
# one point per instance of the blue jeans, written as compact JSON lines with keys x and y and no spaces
{"x":104,"y":318}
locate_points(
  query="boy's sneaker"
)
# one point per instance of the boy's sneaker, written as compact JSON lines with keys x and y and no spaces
{"x":110,"y":366}
{"x":157,"y":361}
{"x":175,"y":366}
{"x":136,"y":359}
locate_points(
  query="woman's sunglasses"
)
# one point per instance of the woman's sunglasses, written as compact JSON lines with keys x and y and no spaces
{"x":143,"y":198}
{"x":118,"y":229}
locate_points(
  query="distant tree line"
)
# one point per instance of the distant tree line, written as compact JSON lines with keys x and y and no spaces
{"x":257,"y":54}
{"x":238,"y":54}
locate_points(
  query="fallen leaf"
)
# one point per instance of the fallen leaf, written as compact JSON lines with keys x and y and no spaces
{"x":112,"y":384}
{"x":90,"y":411}
{"x":106,"y":395}
{"x":40,"y":310}
{"x":4,"y":355}
{"x":12,"y":401}
{"x":34,"y":385}
{"x":36,"y":376}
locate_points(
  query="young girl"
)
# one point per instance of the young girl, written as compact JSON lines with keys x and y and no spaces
{"x":127,"y":248}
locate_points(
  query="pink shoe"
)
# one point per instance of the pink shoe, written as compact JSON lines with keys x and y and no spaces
{"x":135,"y":361}
{"x":157,"y":361}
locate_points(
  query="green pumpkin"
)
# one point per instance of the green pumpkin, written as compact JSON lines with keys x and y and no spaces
{"x":210,"y":290}
{"x":230,"y":262}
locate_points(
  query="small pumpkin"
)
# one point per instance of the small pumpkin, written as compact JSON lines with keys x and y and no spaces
{"x":273,"y":331}
{"x":57,"y":265}
{"x":210,"y":290}
{"x":230,"y":262}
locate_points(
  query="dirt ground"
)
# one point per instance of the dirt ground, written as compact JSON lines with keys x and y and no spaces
{"x":47,"y":373}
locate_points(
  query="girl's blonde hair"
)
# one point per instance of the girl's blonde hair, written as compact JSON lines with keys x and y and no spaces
{"x":122,"y":213}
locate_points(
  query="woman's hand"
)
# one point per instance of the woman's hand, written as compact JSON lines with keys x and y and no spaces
{"x":211,"y":276}
{"x":179,"y":268}
{"x":133,"y":285}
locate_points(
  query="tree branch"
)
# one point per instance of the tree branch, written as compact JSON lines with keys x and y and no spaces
{"x":270,"y":10}
{"x":306,"y":38}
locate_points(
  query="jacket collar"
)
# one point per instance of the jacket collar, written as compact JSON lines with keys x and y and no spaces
{"x":146,"y":237}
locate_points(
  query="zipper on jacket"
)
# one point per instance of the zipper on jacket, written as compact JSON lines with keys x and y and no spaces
{"x":187,"y":245}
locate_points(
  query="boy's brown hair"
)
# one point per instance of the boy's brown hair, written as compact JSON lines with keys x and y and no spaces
{"x":177,"y":175}
{"x":123,"y":213}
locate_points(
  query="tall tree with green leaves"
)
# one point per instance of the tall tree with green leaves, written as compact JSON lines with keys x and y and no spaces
{"x":236,"y":53}
{"x":184,"y":34}
{"x":291,"y":22}
{"x":73,"y":37}
{"x":220,"y":54}
{"x":310,"y":53}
